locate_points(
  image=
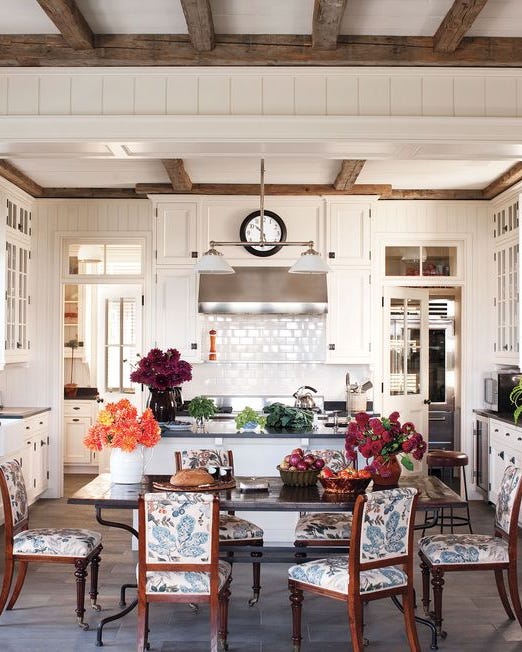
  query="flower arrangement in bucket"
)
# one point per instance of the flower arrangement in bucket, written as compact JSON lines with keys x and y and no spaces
{"x":162,"y":372}
{"x":384,"y":440}
{"x":119,"y":428}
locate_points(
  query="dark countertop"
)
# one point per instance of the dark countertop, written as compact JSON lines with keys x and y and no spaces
{"x":21,"y":412}
{"x":84,"y":394}
{"x":227,"y":428}
{"x":506,"y":417}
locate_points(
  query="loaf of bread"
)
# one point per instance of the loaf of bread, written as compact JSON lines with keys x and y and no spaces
{"x":191,"y":478}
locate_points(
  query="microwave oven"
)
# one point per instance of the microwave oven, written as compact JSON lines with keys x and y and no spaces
{"x":498,"y":385}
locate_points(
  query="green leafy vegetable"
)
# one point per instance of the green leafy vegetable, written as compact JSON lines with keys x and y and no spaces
{"x":250,"y":417}
{"x":516,"y":399}
{"x":201,"y":407}
{"x":283,"y":417}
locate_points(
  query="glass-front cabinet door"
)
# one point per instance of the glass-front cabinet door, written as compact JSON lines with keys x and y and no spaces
{"x":423,"y":261}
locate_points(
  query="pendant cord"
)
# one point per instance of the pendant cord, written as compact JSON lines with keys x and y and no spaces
{"x":262,"y":203}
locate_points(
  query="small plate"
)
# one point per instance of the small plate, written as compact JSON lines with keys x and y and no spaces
{"x":176,"y":425}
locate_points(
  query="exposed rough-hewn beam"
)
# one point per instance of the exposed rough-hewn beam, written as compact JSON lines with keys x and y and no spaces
{"x":200,"y":24}
{"x":70,"y":21}
{"x":270,"y":189}
{"x":91,"y":193}
{"x":21,"y":180}
{"x":456,"y":23}
{"x":425,"y":193}
{"x":257,"y":50}
{"x":326,"y":23}
{"x":504,"y":181}
{"x":350,"y":170}
{"x":178,"y":176}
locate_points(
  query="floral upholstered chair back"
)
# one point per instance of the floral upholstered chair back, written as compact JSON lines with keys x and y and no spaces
{"x":508,"y":502}
{"x":385,"y":527}
{"x":333,"y":459}
{"x":13,"y":481}
{"x":194,"y":459}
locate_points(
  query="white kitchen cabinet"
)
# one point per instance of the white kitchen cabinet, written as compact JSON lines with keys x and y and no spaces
{"x":176,"y":233}
{"x":506,"y":302}
{"x":348,"y":240}
{"x":505,"y":217}
{"x":78,"y":417}
{"x":505,"y":449}
{"x":17,"y":261}
{"x":348,"y":333}
{"x":176,"y":312}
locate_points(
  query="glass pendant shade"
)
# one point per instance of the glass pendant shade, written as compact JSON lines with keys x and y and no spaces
{"x":213,"y":262}
{"x":309,"y":262}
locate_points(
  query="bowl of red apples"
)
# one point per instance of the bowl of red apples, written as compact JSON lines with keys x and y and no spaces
{"x":300,"y":469}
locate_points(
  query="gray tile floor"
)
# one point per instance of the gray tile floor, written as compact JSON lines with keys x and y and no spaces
{"x":44,"y":620}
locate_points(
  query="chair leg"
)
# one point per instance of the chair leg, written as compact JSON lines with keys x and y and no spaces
{"x":20,"y":578}
{"x":296,"y":600}
{"x":501,"y":588}
{"x":355,"y":619}
{"x":214,"y":623}
{"x":425,"y":570}
{"x":93,"y":593}
{"x":224,"y":598}
{"x":8,"y":578}
{"x":142,"y":626}
{"x":408,"y":602}
{"x":513,"y":592}
{"x":80,"y":574}
{"x":437,"y":581}
{"x":256,"y":581}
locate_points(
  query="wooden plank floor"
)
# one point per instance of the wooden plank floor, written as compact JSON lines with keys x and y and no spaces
{"x":44,"y":620}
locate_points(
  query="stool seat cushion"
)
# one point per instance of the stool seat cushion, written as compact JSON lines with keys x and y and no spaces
{"x":321,"y":526}
{"x":233,"y":528}
{"x":446,"y":458}
{"x":63,"y":542}
{"x":448,"y":549}
{"x":332,"y":574}
{"x":188,"y":582}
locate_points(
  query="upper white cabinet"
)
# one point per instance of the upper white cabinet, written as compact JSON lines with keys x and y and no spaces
{"x":176,"y":233}
{"x":348,"y":233}
{"x":505,"y":219}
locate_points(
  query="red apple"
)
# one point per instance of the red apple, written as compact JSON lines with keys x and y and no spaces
{"x":295,"y":459}
{"x":319,"y":463}
{"x":327,"y":472}
{"x":309,"y":458}
{"x":298,"y":451}
{"x":301,"y":466}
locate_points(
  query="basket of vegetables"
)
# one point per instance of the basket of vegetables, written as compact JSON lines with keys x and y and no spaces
{"x":299,"y":469}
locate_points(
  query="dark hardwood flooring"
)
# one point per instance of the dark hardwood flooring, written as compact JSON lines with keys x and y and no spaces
{"x":44,"y":619}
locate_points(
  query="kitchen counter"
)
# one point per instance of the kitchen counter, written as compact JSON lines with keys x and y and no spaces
{"x":21,"y":412}
{"x":506,"y":417}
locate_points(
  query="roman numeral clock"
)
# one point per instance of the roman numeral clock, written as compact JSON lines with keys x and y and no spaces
{"x":274,"y":230}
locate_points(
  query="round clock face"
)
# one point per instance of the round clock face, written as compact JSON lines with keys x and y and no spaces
{"x":274,"y":231}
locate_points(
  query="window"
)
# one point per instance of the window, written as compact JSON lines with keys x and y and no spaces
{"x":421,"y":261}
{"x":120,"y":343}
{"x":111,"y":259}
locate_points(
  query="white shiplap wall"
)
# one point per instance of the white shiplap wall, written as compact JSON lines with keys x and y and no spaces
{"x":478,"y":92}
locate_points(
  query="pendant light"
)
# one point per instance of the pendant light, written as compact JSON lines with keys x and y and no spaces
{"x":309,"y":262}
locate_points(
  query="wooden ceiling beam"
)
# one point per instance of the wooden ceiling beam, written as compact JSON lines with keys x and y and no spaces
{"x":350,"y":170}
{"x":425,"y":193}
{"x":200,"y":24}
{"x":19,"y":179}
{"x":257,"y":50}
{"x":326,"y":23}
{"x":178,"y":176}
{"x":270,"y":189}
{"x":91,"y":193}
{"x":70,"y":22}
{"x":504,"y":181}
{"x":456,"y":24}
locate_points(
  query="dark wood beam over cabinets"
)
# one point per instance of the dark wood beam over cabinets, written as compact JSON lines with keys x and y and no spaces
{"x":91,"y":193}
{"x":426,"y":193}
{"x":179,"y":179}
{"x":22,"y":181}
{"x":456,"y":23}
{"x":270,"y":189}
{"x":200,"y":24}
{"x":350,"y":170}
{"x":504,"y":181}
{"x":326,"y":23}
{"x":70,"y":21}
{"x":257,"y":50}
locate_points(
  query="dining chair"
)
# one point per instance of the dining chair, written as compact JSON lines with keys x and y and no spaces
{"x":233,"y":530}
{"x":79,"y":547}
{"x":324,"y":528}
{"x":379,"y":565}
{"x":443,"y":553}
{"x":178,"y":559}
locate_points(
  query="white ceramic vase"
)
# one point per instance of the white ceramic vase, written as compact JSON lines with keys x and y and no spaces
{"x":126,"y":467}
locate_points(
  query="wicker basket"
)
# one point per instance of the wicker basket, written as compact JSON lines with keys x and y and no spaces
{"x":299,"y":478}
{"x":351,"y":487}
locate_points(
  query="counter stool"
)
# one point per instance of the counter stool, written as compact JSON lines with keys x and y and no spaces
{"x":443,"y":459}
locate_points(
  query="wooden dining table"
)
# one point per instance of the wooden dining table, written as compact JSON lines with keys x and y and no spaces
{"x":102,"y":494}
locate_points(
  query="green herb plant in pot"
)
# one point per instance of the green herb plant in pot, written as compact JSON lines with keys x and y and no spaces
{"x":516,"y":399}
{"x":249,"y":419}
{"x":202,"y":409}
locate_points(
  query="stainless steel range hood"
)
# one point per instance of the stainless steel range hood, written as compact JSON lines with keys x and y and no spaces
{"x":263,"y":290}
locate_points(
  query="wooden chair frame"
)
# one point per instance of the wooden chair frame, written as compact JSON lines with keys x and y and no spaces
{"x":354,"y":598}
{"x":256,"y":565}
{"x":438,"y":570}
{"x":11,"y":558}
{"x":218,"y":600}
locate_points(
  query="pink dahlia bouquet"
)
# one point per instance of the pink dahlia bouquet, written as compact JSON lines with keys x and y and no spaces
{"x":382,"y":438}
{"x":161,"y":370}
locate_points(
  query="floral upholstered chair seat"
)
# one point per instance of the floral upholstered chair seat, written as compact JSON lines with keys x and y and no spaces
{"x":203,"y":457}
{"x":464,"y":549}
{"x":332,"y":574}
{"x":323,"y":526}
{"x":188,"y":583}
{"x":333,"y":459}
{"x":65,"y":542}
{"x":234,"y":528}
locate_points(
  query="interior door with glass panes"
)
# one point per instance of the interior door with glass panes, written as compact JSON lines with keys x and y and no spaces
{"x":119,"y":319}
{"x":406,"y":354}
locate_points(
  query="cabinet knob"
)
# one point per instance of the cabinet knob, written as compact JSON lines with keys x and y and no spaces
{"x":76,"y":408}
{"x":42,"y":442}
{"x":501,"y":455}
{"x":331,"y":347}
{"x":512,"y":460}
{"x":76,"y":419}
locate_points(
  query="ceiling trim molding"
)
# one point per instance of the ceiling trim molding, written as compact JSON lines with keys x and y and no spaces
{"x":70,"y":22}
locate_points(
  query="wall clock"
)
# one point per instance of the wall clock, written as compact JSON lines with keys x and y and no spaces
{"x":274,"y":229}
